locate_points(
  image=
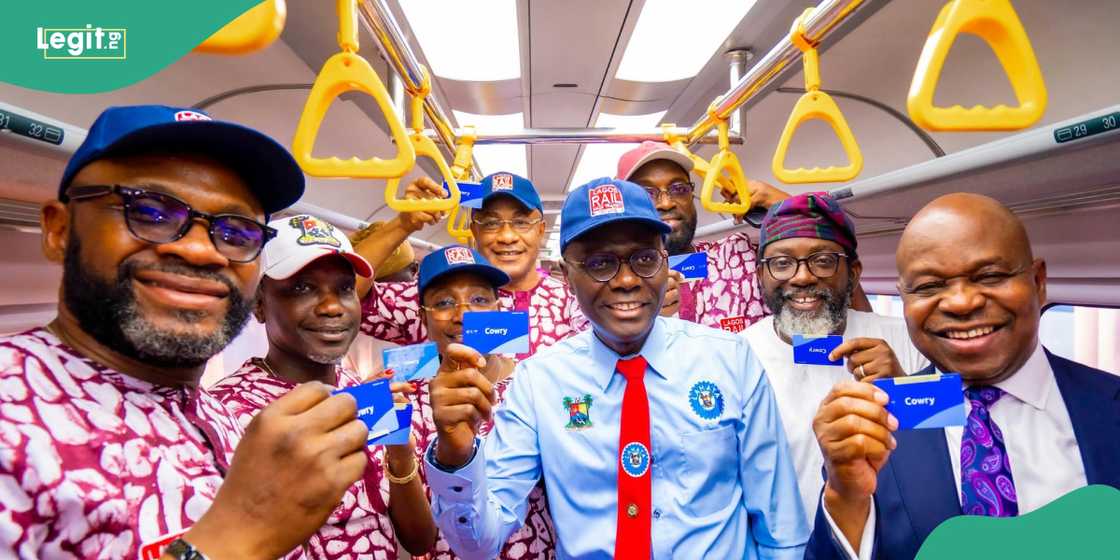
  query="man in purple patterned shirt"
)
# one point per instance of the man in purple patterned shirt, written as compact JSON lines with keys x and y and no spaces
{"x":729,"y":297}
{"x":108,"y":447}
{"x":311,"y":313}
{"x":508,"y":230}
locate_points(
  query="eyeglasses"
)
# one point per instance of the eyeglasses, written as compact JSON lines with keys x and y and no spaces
{"x":821,"y":265}
{"x":605,"y":266}
{"x":520,"y":225}
{"x":161,"y":218}
{"x":680,"y":190}
{"x":987,"y":280}
{"x":445,"y":309}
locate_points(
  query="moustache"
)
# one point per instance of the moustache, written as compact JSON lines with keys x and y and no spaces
{"x":128,"y":269}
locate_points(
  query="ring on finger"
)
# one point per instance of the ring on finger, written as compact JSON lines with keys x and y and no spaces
{"x":862,"y":373}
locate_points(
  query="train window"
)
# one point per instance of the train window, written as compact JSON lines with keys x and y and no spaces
{"x":891,"y":306}
{"x":1084,"y":334}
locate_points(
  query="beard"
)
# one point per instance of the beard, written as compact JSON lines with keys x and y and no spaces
{"x":108,"y":311}
{"x":679,"y":241}
{"x":829,"y":319}
{"x":326,"y":359}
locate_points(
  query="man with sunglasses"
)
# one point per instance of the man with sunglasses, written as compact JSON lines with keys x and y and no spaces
{"x":655,"y":437}
{"x":109,"y":446}
{"x":508,"y":230}
{"x":728,"y":298}
{"x":807,"y":273}
{"x":1038,"y":426}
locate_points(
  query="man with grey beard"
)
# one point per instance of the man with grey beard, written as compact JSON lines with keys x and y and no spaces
{"x":807,"y":274}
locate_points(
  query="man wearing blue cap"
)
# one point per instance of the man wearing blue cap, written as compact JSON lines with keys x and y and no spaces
{"x":508,"y":230}
{"x":110,"y":447}
{"x":655,"y":437}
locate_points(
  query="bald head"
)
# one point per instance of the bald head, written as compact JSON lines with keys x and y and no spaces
{"x":963,"y":215}
{"x":971,"y":287}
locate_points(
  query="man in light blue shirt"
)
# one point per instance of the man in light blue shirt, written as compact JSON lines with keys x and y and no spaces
{"x":656,"y":437}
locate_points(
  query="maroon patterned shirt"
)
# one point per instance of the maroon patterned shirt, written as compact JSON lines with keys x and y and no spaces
{"x":95,"y":463}
{"x":360,"y":526}
{"x":536,"y":539}
{"x":729,"y":297}
{"x":391,"y":312}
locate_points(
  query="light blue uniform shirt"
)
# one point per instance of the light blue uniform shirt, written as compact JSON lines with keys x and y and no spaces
{"x":723,"y":482}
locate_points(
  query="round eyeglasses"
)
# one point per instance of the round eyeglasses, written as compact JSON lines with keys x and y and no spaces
{"x":446,"y":308}
{"x":603,"y":267}
{"x":160,"y":218}
{"x":821,"y":265}
{"x":679,"y":190}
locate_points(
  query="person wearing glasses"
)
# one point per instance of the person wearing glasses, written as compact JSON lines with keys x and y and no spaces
{"x":808,"y":270}
{"x":728,"y":298}
{"x":508,"y":230}
{"x":1038,"y":426}
{"x":310,"y":310}
{"x":655,"y":437}
{"x":110,"y":447}
{"x":453,"y":281}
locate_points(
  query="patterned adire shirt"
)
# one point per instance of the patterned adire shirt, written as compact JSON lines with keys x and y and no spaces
{"x":536,"y":539}
{"x":360,"y":526}
{"x":391,"y":312}
{"x":729,"y":297}
{"x":95,"y":463}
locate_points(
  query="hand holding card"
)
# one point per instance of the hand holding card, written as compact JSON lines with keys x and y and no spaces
{"x":496,"y":332}
{"x":693,"y":266}
{"x":375,"y":407}
{"x":412,"y":362}
{"x":925,"y":401}
{"x":814,"y":350}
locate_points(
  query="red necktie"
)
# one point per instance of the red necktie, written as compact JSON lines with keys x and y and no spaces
{"x":632,"y":540}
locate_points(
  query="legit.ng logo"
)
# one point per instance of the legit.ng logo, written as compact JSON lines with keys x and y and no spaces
{"x":88,"y":43}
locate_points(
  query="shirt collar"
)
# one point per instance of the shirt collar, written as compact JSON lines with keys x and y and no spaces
{"x":655,"y":351}
{"x":1032,"y":383}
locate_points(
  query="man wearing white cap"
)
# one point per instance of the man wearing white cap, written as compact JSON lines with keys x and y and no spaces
{"x":728,"y":298}
{"x":311,"y":313}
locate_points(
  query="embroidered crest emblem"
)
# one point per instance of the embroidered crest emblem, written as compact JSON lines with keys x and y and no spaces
{"x":458,"y":255}
{"x":635,"y":459}
{"x":314,"y":231}
{"x":706,"y":400}
{"x":579,"y":412}
{"x":605,"y":199}
{"x":501,"y":182}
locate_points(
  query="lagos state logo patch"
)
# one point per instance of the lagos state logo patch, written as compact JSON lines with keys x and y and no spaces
{"x":634,"y":459}
{"x":579,"y":412}
{"x":706,"y":400}
{"x":314,"y":231}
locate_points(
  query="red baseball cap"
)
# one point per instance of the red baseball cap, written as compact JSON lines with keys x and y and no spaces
{"x":649,"y":151}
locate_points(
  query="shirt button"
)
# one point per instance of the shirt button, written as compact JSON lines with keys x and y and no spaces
{"x":632,"y":511}
{"x":657,"y":514}
{"x":462,"y":520}
{"x":456,"y":488}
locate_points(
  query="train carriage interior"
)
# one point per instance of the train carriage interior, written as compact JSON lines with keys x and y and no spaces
{"x":543,"y":83}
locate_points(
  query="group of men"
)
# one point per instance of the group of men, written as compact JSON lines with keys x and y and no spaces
{"x":651,"y":417}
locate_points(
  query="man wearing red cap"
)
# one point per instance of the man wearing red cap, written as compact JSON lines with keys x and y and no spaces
{"x":728,"y":298}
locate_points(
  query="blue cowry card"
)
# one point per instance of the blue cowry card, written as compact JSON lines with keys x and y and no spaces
{"x":693,"y":266}
{"x":925,"y":401}
{"x":497,"y":332}
{"x":814,"y":350}
{"x":412,"y":362}
{"x":375,"y":407}
{"x":470,"y":194}
{"x":400,"y":436}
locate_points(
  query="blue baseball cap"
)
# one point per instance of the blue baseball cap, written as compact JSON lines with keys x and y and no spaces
{"x":509,"y":184}
{"x":604,"y":201}
{"x":265,"y":165}
{"x":457,"y":258}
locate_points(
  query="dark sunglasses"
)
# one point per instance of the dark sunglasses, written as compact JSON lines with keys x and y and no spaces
{"x":160,"y":218}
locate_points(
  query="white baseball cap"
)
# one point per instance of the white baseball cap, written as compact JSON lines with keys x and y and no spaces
{"x":302,"y":239}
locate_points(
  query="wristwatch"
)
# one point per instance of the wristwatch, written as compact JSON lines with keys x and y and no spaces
{"x":182,"y":550}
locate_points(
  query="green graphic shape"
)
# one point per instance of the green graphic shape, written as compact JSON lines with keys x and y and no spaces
{"x":1081,"y":524}
{"x":136,"y":40}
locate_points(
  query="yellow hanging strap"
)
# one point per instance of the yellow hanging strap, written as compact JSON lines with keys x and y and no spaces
{"x":343,"y":72}
{"x":725,"y":166}
{"x":815,"y":104}
{"x":459,"y":221}
{"x":996,"y":22}
{"x":424,"y":147}
{"x":699,"y":165}
{"x":253,"y":30}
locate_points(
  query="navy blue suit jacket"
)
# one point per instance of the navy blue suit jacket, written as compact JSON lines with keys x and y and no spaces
{"x":917,"y":487}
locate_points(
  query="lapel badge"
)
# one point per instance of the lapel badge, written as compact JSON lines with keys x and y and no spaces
{"x":579,"y":412}
{"x":706,"y":400}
